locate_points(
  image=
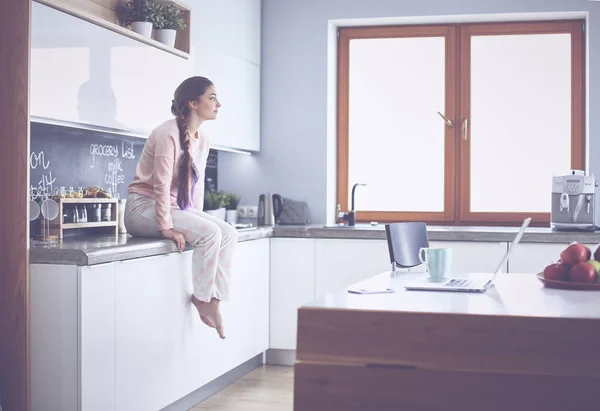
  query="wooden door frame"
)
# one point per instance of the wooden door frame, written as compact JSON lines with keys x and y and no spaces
{"x":15,"y":18}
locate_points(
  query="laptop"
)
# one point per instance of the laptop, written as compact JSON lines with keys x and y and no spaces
{"x":468,"y":284}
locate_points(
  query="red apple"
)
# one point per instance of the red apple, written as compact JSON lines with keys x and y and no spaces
{"x":575,"y":253}
{"x":556,"y":271}
{"x":582,"y":273}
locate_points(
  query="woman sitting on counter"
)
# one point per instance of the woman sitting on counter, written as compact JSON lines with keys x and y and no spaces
{"x":166,"y":196}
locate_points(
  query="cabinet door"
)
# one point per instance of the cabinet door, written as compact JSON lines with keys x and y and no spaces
{"x":292,"y":285}
{"x":197,"y":354}
{"x":237,"y":82}
{"x":341,"y":263}
{"x":531,"y":258}
{"x":84,"y":73}
{"x":97,"y":337}
{"x":471,"y":256}
{"x":232,"y":26}
{"x":143,"y":339}
{"x":54,"y":336}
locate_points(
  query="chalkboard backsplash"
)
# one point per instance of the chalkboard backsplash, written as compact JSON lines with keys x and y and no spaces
{"x":71,"y":157}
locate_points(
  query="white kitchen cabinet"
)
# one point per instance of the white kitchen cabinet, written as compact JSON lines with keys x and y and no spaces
{"x":237,"y":82}
{"x":97,"y":337}
{"x":226,"y":49}
{"x":163,"y":351}
{"x":199,"y":355}
{"x":531,"y":258}
{"x":340,"y":263}
{"x":72,"y":329}
{"x":232,"y":26}
{"x":84,"y":73}
{"x":292,"y":285}
{"x":143,"y":342}
{"x":471,"y":256}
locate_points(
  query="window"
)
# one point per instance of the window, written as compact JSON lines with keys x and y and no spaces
{"x":459,"y":123}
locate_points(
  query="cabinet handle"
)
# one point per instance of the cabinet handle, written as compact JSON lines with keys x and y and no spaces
{"x":465,"y":128}
{"x":131,"y":260}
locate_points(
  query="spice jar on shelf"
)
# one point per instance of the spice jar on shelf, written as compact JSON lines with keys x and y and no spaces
{"x":70,"y":193}
{"x":78,"y":192}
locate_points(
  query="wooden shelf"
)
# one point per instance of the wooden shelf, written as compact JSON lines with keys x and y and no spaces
{"x":86,"y":200}
{"x":103,"y":13}
{"x":57,"y":226}
{"x":90,"y":225}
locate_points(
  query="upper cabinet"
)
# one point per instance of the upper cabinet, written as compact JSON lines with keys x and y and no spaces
{"x":226,"y":48}
{"x":84,"y":73}
{"x":231,"y":26}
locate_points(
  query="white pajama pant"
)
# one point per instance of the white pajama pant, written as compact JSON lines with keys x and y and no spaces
{"x":213,"y":241}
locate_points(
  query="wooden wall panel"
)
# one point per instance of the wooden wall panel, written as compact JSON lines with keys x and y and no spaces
{"x":15,"y":17}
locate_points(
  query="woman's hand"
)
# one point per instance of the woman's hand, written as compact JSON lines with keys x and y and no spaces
{"x":175,"y":236}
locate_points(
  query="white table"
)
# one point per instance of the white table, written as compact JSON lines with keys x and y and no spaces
{"x":518,"y":346}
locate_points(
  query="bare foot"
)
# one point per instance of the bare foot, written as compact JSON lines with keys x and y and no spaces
{"x":207,"y":321}
{"x":210,"y":312}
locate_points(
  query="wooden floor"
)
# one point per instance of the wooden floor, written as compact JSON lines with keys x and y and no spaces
{"x":269,"y":388}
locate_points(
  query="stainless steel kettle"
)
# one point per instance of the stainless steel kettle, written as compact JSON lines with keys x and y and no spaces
{"x":269,"y":209}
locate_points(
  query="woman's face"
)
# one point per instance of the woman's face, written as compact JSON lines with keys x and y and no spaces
{"x":207,"y":106}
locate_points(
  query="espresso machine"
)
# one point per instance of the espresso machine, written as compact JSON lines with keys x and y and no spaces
{"x":573,"y":202}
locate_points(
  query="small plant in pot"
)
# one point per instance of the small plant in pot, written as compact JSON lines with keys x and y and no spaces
{"x":214,"y":204}
{"x":140,"y":15}
{"x":231,"y":205}
{"x":168,"y":22}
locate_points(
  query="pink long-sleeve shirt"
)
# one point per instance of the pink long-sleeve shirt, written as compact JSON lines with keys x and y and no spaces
{"x":157,"y":169}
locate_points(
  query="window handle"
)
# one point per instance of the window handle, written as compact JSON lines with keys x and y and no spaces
{"x":446,"y":120}
{"x":465,"y":129}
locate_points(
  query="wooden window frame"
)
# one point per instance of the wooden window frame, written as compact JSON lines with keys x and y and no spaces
{"x":457,"y":106}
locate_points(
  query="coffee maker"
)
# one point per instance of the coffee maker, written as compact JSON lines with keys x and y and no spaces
{"x":573,"y":202}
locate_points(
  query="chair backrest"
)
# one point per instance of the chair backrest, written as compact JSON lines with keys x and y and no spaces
{"x":404,"y":241}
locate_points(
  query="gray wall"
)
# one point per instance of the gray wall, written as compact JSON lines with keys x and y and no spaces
{"x":294,"y":140}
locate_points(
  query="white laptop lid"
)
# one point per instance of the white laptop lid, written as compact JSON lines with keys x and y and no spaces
{"x":512,"y":246}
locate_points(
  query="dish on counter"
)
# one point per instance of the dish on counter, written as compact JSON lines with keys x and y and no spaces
{"x":567,"y":285}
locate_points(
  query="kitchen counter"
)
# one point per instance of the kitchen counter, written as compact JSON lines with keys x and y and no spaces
{"x":92,"y":250}
{"x":102,"y":249}
{"x":442,"y":233}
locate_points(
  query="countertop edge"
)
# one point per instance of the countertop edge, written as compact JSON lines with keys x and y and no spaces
{"x":92,"y":253}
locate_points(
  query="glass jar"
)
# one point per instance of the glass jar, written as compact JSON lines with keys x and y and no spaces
{"x":70,"y":193}
{"x":106,"y":213}
{"x":79,"y":192}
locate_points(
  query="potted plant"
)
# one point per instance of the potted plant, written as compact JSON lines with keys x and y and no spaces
{"x":214,"y":204}
{"x":168,"y":22}
{"x":140,"y":15}
{"x":231,"y":205}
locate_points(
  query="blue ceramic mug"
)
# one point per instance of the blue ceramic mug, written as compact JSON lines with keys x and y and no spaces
{"x":437,"y":261}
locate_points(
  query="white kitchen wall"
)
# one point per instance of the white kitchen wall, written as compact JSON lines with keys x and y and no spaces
{"x":296,"y":115}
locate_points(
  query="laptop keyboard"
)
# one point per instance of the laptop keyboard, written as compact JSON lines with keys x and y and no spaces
{"x":461,"y":282}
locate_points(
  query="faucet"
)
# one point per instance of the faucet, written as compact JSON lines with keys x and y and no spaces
{"x":351,"y":215}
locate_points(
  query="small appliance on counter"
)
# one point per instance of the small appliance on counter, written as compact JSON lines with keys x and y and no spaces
{"x":573,"y":202}
{"x":269,"y":209}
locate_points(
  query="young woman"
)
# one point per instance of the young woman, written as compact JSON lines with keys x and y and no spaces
{"x":167,"y":194}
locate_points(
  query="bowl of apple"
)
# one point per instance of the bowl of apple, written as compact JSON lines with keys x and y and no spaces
{"x":577,"y":269}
